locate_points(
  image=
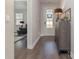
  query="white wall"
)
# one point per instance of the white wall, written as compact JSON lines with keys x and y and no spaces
{"x":29,"y":24}
{"x":36,"y":20}
{"x":33,"y":22}
{"x":9,"y":29}
{"x":44,"y":30}
{"x":70,"y":4}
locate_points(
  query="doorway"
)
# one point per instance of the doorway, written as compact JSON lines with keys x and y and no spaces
{"x":47,"y":22}
{"x":20,"y":27}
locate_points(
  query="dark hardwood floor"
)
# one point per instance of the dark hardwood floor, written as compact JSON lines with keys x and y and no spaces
{"x":45,"y":49}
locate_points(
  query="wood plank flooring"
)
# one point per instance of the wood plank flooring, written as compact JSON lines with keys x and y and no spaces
{"x":45,"y":49}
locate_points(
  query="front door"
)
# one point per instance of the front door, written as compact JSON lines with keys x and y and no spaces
{"x":47,"y":27}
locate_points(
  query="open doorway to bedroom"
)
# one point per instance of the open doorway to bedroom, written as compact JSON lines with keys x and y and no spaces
{"x":20,"y":26}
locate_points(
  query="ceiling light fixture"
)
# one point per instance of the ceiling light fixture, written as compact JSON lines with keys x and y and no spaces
{"x":58,"y":12}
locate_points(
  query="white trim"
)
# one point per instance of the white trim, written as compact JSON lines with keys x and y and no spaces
{"x":72,"y":55}
{"x":47,"y":35}
{"x":35,"y":42}
{"x":29,"y":44}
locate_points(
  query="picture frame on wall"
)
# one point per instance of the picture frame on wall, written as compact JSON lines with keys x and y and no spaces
{"x":68,"y":14}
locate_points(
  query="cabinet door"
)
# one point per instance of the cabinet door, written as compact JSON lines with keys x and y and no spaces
{"x":68,"y":34}
{"x":62,"y":35}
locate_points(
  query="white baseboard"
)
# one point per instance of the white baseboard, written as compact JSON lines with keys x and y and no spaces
{"x":33,"y":45}
{"x":47,"y":35}
{"x":35,"y":42}
{"x":72,"y":55}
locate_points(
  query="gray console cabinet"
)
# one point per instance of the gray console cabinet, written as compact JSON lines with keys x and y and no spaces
{"x":62,"y":32}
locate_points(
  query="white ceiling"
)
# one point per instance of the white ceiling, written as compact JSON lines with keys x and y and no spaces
{"x":49,"y":1}
{"x":53,"y":2}
{"x":45,"y":1}
{"x":20,"y":0}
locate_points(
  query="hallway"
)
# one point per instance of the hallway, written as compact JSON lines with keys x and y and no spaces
{"x":45,"y":49}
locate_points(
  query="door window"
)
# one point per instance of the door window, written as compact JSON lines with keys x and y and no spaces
{"x":49,"y":18}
